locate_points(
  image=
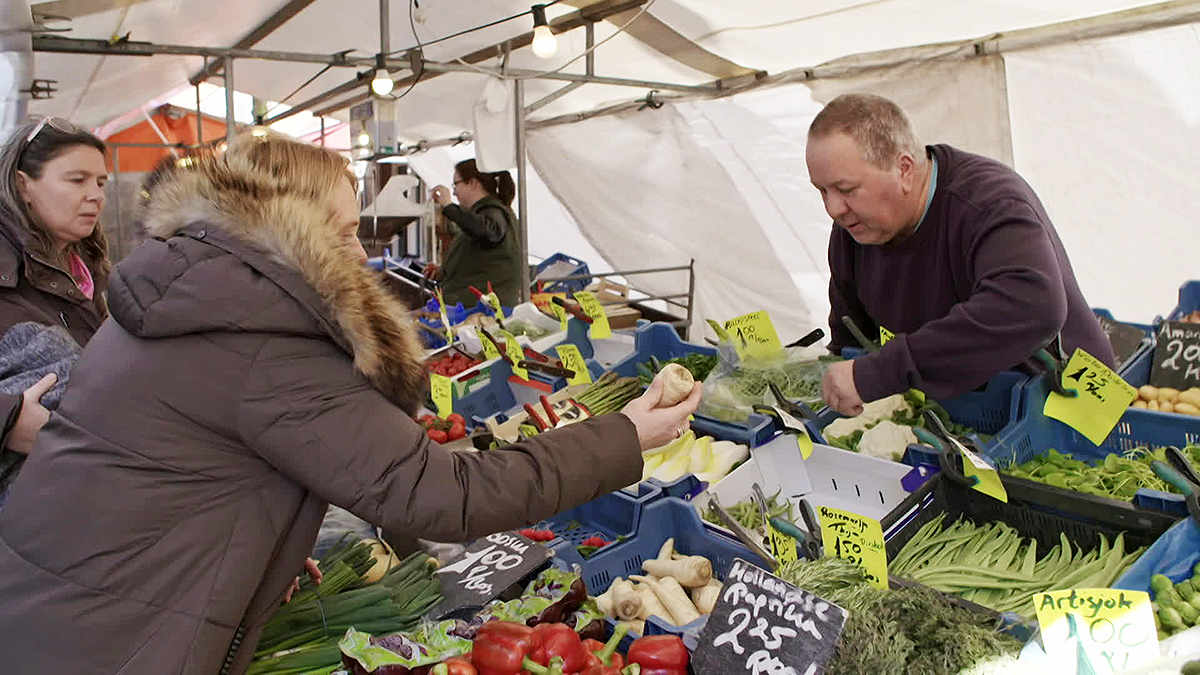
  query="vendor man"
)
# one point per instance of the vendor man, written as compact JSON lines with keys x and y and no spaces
{"x":950,"y":252}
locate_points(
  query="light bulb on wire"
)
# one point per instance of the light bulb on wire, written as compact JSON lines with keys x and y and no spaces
{"x":382,"y":84}
{"x":545,"y":45}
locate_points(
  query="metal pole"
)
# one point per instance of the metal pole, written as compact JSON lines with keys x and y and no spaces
{"x":691,"y":297}
{"x":199,"y":117}
{"x":230,"y":123}
{"x":385,"y":28}
{"x":522,"y":205}
{"x":322,"y":132}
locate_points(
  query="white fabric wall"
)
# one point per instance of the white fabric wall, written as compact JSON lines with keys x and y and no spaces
{"x":1108,"y":133}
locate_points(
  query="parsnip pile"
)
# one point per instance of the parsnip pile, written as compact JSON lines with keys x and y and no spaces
{"x":676,"y":588}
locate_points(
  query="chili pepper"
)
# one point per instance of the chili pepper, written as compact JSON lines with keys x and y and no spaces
{"x":507,"y":648}
{"x":550,"y":416}
{"x":603,"y":658}
{"x":538,"y":535}
{"x":659,"y":655}
{"x":458,"y":665}
{"x":534,"y":418}
{"x":562,"y":641}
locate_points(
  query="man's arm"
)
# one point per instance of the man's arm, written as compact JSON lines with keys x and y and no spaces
{"x":843,"y":295}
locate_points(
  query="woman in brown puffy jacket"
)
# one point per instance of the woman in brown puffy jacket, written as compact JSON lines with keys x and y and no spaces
{"x":263,"y":372}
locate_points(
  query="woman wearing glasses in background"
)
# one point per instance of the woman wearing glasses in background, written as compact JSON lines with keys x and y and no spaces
{"x":53,"y":272}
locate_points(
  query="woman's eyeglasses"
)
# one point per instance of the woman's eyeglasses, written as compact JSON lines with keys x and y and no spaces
{"x":58,"y":123}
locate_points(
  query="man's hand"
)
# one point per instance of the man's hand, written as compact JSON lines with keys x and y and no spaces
{"x":838,"y":390}
{"x":314,"y":573}
{"x":33,"y":416}
{"x":441,"y":195}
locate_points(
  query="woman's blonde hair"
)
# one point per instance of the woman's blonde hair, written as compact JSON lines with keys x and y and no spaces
{"x":295,"y":167}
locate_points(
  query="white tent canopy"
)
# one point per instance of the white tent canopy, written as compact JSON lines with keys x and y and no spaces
{"x":1099,"y":115}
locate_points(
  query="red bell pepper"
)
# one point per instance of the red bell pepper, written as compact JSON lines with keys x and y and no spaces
{"x":658,"y":655}
{"x":458,"y":665}
{"x":508,"y":648}
{"x":603,"y":658}
{"x":561,"y":640}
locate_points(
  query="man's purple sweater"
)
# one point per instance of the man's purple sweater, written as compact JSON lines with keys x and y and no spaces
{"x":981,"y":285}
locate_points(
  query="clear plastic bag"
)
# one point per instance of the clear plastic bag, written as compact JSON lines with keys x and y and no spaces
{"x":737,"y":383}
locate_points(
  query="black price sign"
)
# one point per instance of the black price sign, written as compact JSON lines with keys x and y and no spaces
{"x":761,"y":624}
{"x":485,"y":570}
{"x":1125,"y":339}
{"x":1177,"y":356}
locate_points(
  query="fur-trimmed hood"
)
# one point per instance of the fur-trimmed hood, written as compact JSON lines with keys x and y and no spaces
{"x":234,"y":252}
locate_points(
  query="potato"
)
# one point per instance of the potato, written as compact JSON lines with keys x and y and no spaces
{"x":1166,"y":406}
{"x":677,"y":384}
{"x":1139,"y":404}
{"x":1152,"y":405}
{"x":1187,"y":409}
{"x":1167,"y":394}
{"x":1191,"y":397}
{"x":1148,"y":393}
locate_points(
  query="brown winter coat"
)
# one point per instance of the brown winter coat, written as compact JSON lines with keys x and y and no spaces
{"x":251,"y":373}
{"x":33,"y":290}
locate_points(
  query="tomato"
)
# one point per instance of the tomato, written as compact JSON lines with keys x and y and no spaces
{"x":438,"y":436}
{"x":455,"y":417}
{"x":457,"y":431}
{"x":427,"y":419}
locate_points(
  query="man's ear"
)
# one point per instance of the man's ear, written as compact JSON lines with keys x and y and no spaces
{"x":907,"y":166}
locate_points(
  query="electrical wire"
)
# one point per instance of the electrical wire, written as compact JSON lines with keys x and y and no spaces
{"x":297,"y":90}
{"x":596,"y":46}
{"x":476,"y":28}
{"x":412,"y":24}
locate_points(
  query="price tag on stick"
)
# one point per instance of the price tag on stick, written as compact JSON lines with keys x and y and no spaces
{"x":515,"y":353}
{"x":762,"y":624}
{"x":857,"y":539}
{"x":493,"y":301}
{"x":1102,"y":400}
{"x":441,"y":389}
{"x":753,"y":334}
{"x":591,"y":306}
{"x":445,"y":319}
{"x":572,"y":359}
{"x":1106,"y":629}
{"x":485,"y":570}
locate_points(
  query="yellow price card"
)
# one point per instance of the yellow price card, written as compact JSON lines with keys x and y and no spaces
{"x":754,"y":335}
{"x":783,"y":547}
{"x":857,"y":539}
{"x":1102,"y":400}
{"x":591,"y":306}
{"x":493,"y":301}
{"x":561,"y":313}
{"x":445,"y":319}
{"x":1098,"y":630}
{"x":515,"y":352}
{"x":441,"y":389}
{"x":885,"y":335}
{"x":987,"y":480}
{"x":572,"y":359}
{"x":489,"y":348}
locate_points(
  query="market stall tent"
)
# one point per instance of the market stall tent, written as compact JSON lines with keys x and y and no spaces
{"x":1093,"y":101}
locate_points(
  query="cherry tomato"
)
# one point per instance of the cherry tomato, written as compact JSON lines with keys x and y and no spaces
{"x":455,"y":417}
{"x":457,"y":431}
{"x":438,"y":436}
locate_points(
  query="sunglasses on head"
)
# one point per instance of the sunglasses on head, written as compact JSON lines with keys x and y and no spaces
{"x":63,"y":125}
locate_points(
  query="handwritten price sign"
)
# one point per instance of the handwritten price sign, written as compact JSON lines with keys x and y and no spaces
{"x":754,"y":335}
{"x":1177,"y":356}
{"x":486,"y":569}
{"x":592,"y":307}
{"x":441,"y":389}
{"x":762,"y":624}
{"x":1102,"y":400}
{"x":857,"y":539}
{"x":572,"y":359}
{"x":1108,"y":629}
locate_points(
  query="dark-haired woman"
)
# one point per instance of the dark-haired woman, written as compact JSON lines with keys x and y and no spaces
{"x":485,"y":245}
{"x":53,"y":262}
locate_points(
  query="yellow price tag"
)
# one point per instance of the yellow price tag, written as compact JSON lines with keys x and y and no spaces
{"x":494,"y":302}
{"x":591,"y":306}
{"x":561,"y":313}
{"x":489,"y":348}
{"x":783,"y":547}
{"x":445,"y":319}
{"x":857,"y":539}
{"x":1107,"y":628}
{"x":1102,"y":400}
{"x":754,"y":335}
{"x":515,"y":353}
{"x":441,"y":388}
{"x":987,"y":480}
{"x":885,"y":335}
{"x":572,"y":359}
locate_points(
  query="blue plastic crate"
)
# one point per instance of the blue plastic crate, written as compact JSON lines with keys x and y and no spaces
{"x":1036,"y":433}
{"x":1189,"y":300}
{"x":491,"y":399}
{"x":661,"y":341}
{"x":570,"y":286}
{"x":611,"y":516}
{"x":755,"y":431}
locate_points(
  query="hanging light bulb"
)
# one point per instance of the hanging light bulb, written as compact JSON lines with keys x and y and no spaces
{"x":545,"y":45}
{"x":382,"y":84}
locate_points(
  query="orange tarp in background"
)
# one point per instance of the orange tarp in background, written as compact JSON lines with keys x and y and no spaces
{"x":177,"y":124}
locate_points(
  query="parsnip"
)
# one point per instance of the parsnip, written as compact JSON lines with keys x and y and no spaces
{"x":705,"y":597}
{"x":651,"y":605}
{"x":620,"y":601}
{"x":692,"y":571}
{"x":673,"y":598}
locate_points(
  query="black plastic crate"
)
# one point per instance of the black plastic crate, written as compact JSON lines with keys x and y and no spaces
{"x":1036,"y":511}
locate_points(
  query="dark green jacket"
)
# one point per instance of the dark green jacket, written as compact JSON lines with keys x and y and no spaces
{"x":486,"y":248}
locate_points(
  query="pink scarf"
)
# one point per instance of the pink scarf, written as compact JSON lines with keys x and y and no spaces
{"x":82,"y":276}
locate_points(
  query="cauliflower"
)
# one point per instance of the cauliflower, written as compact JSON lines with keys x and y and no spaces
{"x":887,"y":440}
{"x":873,"y":412}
